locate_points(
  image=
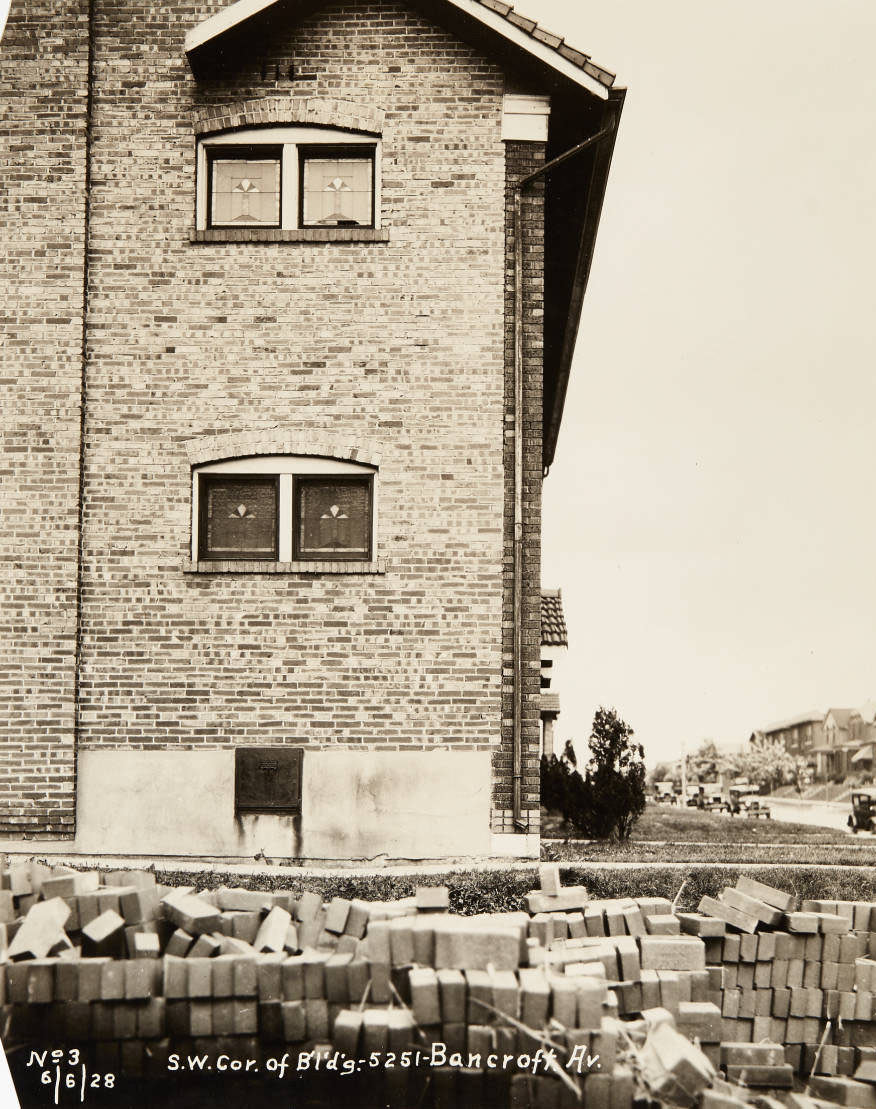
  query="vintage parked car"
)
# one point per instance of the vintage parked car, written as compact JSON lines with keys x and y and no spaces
{"x":863,"y":813}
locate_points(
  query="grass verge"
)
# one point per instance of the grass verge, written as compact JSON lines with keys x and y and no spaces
{"x":477,"y":891}
{"x":667,"y":823}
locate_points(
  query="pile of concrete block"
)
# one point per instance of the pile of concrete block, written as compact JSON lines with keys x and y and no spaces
{"x":606,"y":999}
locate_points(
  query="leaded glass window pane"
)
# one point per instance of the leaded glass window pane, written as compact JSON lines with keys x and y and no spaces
{"x":239,"y":517}
{"x":334,"y":519}
{"x":245,"y":192}
{"x":337,"y":192}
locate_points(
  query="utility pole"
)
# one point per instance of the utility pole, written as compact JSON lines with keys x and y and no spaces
{"x":683,"y":774}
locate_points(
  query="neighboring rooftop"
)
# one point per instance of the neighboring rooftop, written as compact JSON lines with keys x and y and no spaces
{"x":813,"y":717}
{"x":553,"y":622}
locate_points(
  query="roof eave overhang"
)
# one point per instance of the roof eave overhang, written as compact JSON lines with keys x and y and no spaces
{"x":205,"y":39}
{"x":587,"y":243}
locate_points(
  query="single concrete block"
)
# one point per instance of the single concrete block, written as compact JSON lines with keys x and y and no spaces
{"x":316,"y":1015}
{"x":425,"y":995}
{"x":336,"y":915}
{"x":479,"y":991}
{"x":204,"y":947}
{"x":634,"y":921}
{"x":424,"y":940}
{"x":464,"y":945}
{"x":179,"y":943}
{"x":377,"y":945}
{"x":294,"y":1021}
{"x":569,"y":898}
{"x":725,"y":912}
{"x":451,"y":987}
{"x":357,"y":918}
{"x":138,"y":905}
{"x":591,"y":996}
{"x":506,"y":993}
{"x":549,"y":878}
{"x":801,"y":923}
{"x":241,"y":900}
{"x":432,"y":899}
{"x":358,"y":979}
{"x":778,"y":899}
{"x":672,"y":953}
{"x":832,"y":924}
{"x":105,"y":935}
{"x":336,"y":979}
{"x":347,"y":1032}
{"x":309,"y":905}
{"x":401,"y":941}
{"x":272,"y":933}
{"x":313,"y":966}
{"x":564,"y":1001}
{"x":41,"y":931}
{"x":843,"y":1091}
{"x":140,"y":978}
{"x":662,"y":924}
{"x":594,"y":920}
{"x":762,"y":912}
{"x":673,"y":1067}
{"x":777,"y":1077}
{"x":700,"y":1019}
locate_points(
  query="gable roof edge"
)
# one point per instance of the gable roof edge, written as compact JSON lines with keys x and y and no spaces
{"x":548,"y":49}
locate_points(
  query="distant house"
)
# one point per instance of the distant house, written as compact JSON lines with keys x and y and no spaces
{"x":554,"y":644}
{"x":862,"y":737}
{"x":837,"y":750}
{"x":801,"y":735}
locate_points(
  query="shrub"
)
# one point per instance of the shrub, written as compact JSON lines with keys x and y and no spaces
{"x":606,"y":802}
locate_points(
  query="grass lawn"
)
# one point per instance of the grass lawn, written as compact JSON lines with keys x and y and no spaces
{"x":669,"y":834}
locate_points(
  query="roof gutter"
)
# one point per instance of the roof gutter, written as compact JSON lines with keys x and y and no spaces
{"x":517,"y":729}
{"x":596,"y":190}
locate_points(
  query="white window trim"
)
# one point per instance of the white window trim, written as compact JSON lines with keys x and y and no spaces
{"x":286,"y":467}
{"x":289,"y":138}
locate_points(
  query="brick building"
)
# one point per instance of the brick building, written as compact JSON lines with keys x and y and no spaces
{"x":285,"y":349}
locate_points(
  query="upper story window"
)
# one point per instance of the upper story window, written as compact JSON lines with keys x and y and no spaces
{"x":288,"y":179}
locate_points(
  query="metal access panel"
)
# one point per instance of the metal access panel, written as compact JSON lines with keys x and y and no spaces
{"x":268,"y":779}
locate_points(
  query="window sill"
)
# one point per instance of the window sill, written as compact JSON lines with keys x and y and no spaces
{"x":252,"y":566}
{"x":302,"y":235}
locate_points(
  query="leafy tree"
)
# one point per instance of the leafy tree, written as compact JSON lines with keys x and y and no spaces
{"x":767,"y":763}
{"x":704,"y":764}
{"x":615,"y":777}
{"x":606,"y":801}
{"x":662,"y":772}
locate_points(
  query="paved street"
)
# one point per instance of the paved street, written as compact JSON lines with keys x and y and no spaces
{"x":825,"y":814}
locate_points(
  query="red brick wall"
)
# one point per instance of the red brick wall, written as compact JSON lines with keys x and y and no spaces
{"x":42,"y":132}
{"x":400,"y":348}
{"x":393,"y":347}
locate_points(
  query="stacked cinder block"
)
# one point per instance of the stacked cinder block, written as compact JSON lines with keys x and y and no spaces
{"x":631,"y":996}
{"x":796,"y":975}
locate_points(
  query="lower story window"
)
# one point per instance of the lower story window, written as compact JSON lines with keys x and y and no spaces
{"x":284,"y":508}
{"x":332,"y":517}
{"x":239,"y":517}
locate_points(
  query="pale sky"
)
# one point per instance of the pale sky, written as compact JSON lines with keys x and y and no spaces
{"x":709,"y":514}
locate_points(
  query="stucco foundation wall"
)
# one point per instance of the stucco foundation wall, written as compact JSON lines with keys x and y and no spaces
{"x":355,"y":805}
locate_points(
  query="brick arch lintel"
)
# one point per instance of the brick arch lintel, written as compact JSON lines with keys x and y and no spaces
{"x":276,"y":440}
{"x":285,"y":110}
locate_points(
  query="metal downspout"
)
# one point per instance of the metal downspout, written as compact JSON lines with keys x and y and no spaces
{"x":517,"y":726}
